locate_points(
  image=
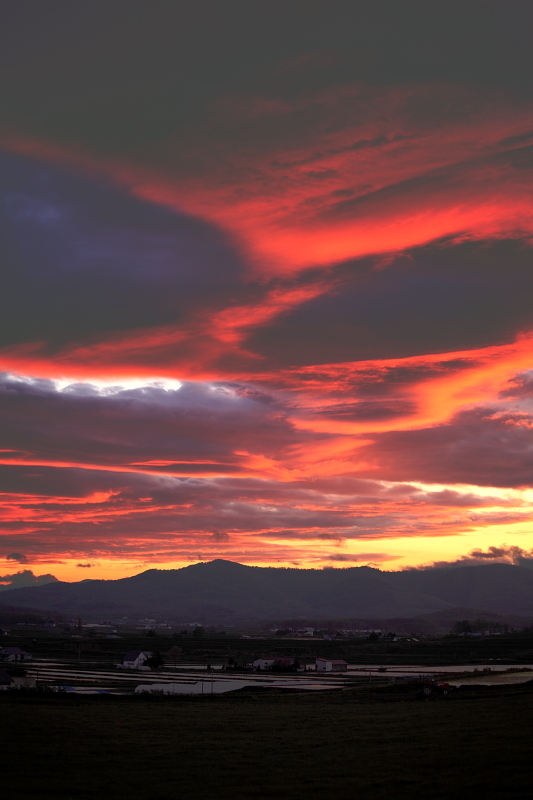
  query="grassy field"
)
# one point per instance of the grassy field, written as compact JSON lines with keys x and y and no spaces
{"x":355,"y":744}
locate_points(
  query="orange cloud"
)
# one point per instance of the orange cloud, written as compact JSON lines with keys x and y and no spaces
{"x":478,"y":376}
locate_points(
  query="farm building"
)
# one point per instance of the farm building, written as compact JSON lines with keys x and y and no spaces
{"x":14,"y":654}
{"x":331,"y":665}
{"x":134,"y":659}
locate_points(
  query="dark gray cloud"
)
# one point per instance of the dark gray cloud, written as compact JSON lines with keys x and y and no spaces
{"x":199,"y":423}
{"x":154,"y":72}
{"x":20,"y":558}
{"x":502,"y":554}
{"x":358,"y":557}
{"x":24,"y":578}
{"x":80,"y":257}
{"x":370,"y":410}
{"x":480,"y":447}
{"x":434,"y":299}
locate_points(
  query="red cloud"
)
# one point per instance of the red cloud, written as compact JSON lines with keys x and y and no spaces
{"x":339,"y":173}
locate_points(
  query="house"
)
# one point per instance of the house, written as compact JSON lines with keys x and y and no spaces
{"x":273,"y":663}
{"x":134,"y":659}
{"x":331,"y":665}
{"x":263,"y":663}
{"x":14,"y":654}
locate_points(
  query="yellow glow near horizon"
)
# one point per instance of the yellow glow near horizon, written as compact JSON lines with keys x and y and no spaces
{"x":402,"y":552}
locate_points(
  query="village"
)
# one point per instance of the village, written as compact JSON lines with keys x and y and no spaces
{"x":171,"y":671}
{"x":19,"y":669}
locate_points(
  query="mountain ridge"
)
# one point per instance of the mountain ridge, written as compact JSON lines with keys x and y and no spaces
{"x":226,"y":591}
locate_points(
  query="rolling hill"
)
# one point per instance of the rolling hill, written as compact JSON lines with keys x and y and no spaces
{"x":227,"y":592}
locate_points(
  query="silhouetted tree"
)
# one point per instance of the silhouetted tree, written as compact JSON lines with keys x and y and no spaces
{"x":155,"y":661}
{"x":462,"y":626}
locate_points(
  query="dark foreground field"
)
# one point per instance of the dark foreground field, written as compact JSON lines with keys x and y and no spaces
{"x":352,"y":745}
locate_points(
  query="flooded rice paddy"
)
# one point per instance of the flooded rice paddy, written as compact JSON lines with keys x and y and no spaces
{"x":92,"y":678}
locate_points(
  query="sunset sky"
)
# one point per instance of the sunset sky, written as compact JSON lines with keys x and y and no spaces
{"x":267,"y":284}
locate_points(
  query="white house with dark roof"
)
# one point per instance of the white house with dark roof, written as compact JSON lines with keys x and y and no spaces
{"x":14,"y":654}
{"x":331,"y":665}
{"x":134,"y":659}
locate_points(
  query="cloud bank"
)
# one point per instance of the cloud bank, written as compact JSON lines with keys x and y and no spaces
{"x":24,"y":578}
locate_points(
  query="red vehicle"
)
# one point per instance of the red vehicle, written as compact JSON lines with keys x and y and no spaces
{"x":428,"y":687}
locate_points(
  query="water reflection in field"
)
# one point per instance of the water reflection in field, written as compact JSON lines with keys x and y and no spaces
{"x":93,"y":676}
